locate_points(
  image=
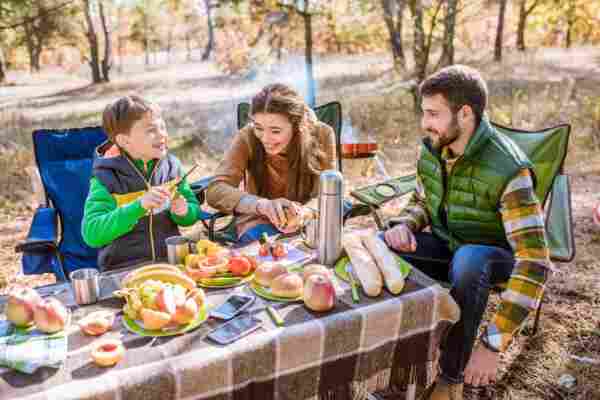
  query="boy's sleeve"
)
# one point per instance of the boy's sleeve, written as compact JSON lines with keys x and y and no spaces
{"x":103,"y":221}
{"x":193,"y":207}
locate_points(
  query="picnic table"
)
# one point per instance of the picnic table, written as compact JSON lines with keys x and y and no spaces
{"x":343,"y":354}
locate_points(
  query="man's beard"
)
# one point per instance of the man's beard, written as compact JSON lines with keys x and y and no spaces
{"x":452,"y":134}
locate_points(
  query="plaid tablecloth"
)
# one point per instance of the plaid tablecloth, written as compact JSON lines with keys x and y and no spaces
{"x":340,"y":354}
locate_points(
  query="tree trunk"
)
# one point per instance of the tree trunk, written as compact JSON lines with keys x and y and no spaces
{"x":211,"y":32}
{"x":308,"y":43}
{"x":570,"y":24}
{"x":188,"y":47}
{"x":521,"y":26}
{"x":2,"y":71}
{"x":93,"y":41}
{"x":419,"y":50}
{"x":447,"y":57}
{"x":395,"y":30}
{"x":500,"y":31}
{"x":29,"y":41}
{"x":119,"y":40}
{"x":146,"y":41}
{"x":107,"y":60}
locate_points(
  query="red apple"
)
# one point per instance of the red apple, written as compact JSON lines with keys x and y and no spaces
{"x":186,"y":313}
{"x":21,"y":305}
{"x":165,"y":300}
{"x":319,"y":293}
{"x":50,"y":315}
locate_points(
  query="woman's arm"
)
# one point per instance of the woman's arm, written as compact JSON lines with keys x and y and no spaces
{"x":223,"y":193}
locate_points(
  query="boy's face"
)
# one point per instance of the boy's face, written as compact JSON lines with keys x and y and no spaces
{"x":147,"y":139}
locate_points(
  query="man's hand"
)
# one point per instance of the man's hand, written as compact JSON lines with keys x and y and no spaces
{"x":482,"y":367}
{"x":155,"y":198}
{"x":401,"y":238}
{"x":274,"y":211}
{"x":179,"y":206}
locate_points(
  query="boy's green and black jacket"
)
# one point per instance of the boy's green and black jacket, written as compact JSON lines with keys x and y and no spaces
{"x":114,"y":219}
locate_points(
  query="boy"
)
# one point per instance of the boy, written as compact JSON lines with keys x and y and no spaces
{"x":129,"y":211}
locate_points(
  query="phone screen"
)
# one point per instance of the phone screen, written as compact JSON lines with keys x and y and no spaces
{"x":235,"y":329}
{"x":233,"y":305}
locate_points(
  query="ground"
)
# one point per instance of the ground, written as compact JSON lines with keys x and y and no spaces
{"x":571,"y":314}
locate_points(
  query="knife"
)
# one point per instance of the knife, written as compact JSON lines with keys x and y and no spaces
{"x":353,"y":283}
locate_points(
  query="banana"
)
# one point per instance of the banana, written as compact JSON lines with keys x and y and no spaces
{"x":161,"y":275}
{"x":153,"y":267}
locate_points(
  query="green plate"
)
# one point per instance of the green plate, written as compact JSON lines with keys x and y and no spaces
{"x":245,"y":279}
{"x":340,"y":268}
{"x":135,"y":327}
{"x":265,"y":292}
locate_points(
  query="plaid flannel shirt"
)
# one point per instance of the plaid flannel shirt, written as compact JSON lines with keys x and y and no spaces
{"x":523,"y":221}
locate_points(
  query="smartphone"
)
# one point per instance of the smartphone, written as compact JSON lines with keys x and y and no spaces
{"x":235,"y":329}
{"x":234,"y":305}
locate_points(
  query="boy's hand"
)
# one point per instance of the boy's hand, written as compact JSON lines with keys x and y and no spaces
{"x":179,"y":206}
{"x":155,"y":198}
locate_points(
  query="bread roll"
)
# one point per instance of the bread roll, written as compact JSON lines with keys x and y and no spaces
{"x":364,"y":267}
{"x":266,"y":272}
{"x":385,"y":261}
{"x":287,"y":285}
{"x":315,"y":269}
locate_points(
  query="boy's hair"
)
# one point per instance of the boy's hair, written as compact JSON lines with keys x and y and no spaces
{"x":119,"y":116}
{"x":460,"y":85}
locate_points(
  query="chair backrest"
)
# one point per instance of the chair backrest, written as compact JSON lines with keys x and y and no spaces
{"x":330,"y":113}
{"x":64,"y":159}
{"x":547,"y":150}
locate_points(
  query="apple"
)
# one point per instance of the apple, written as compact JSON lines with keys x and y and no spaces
{"x":50,"y":315}
{"x":596,"y":214}
{"x":315,"y":269}
{"x":97,"y":323}
{"x":21,"y":304}
{"x":319,"y":293}
{"x":165,"y":300}
{"x":186,"y":313}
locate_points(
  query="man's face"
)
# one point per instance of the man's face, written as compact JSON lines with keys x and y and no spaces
{"x":438,"y":121}
{"x":147,"y":138}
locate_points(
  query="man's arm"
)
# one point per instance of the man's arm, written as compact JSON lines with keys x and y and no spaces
{"x":523,"y":220}
{"x":103,"y":221}
{"x":415,"y":214}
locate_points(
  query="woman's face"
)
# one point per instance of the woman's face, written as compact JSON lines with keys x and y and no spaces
{"x":275,"y":131}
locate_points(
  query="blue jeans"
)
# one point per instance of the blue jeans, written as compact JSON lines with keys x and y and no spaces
{"x":472,"y":270}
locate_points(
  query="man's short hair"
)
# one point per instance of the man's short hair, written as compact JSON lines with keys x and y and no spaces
{"x":119,"y":116}
{"x":460,"y":85}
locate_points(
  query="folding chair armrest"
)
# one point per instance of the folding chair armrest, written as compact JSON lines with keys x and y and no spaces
{"x":199,"y":188}
{"x":43,"y":233}
{"x":380,"y":193}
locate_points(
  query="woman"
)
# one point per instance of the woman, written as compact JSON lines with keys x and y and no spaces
{"x":278,"y":156}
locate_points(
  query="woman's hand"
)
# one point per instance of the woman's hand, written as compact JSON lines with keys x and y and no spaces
{"x":282,"y":213}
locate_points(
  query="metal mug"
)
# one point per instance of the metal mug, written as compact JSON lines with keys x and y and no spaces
{"x":86,"y":285}
{"x":178,"y":247}
{"x":309,"y":232}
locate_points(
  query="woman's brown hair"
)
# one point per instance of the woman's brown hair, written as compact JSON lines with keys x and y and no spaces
{"x":305,"y":158}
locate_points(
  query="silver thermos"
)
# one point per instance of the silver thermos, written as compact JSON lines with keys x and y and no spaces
{"x":331,"y":192}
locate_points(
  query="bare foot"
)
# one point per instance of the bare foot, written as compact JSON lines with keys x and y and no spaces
{"x":482,"y":367}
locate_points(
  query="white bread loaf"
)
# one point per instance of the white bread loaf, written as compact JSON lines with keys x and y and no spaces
{"x":385,"y":261}
{"x":364,"y":267}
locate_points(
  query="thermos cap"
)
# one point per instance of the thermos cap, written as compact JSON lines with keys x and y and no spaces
{"x":331,"y":182}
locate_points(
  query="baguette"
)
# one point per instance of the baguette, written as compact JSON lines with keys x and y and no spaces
{"x":385,"y":261}
{"x":364,"y":267}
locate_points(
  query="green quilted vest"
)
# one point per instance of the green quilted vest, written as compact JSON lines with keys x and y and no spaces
{"x":465,"y":205}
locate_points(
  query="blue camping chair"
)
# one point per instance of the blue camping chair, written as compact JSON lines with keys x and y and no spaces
{"x":64,"y":160}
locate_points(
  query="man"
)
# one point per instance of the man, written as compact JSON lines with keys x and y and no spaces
{"x":475,"y":190}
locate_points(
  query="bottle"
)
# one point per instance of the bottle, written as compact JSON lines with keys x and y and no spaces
{"x":331,"y":191}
